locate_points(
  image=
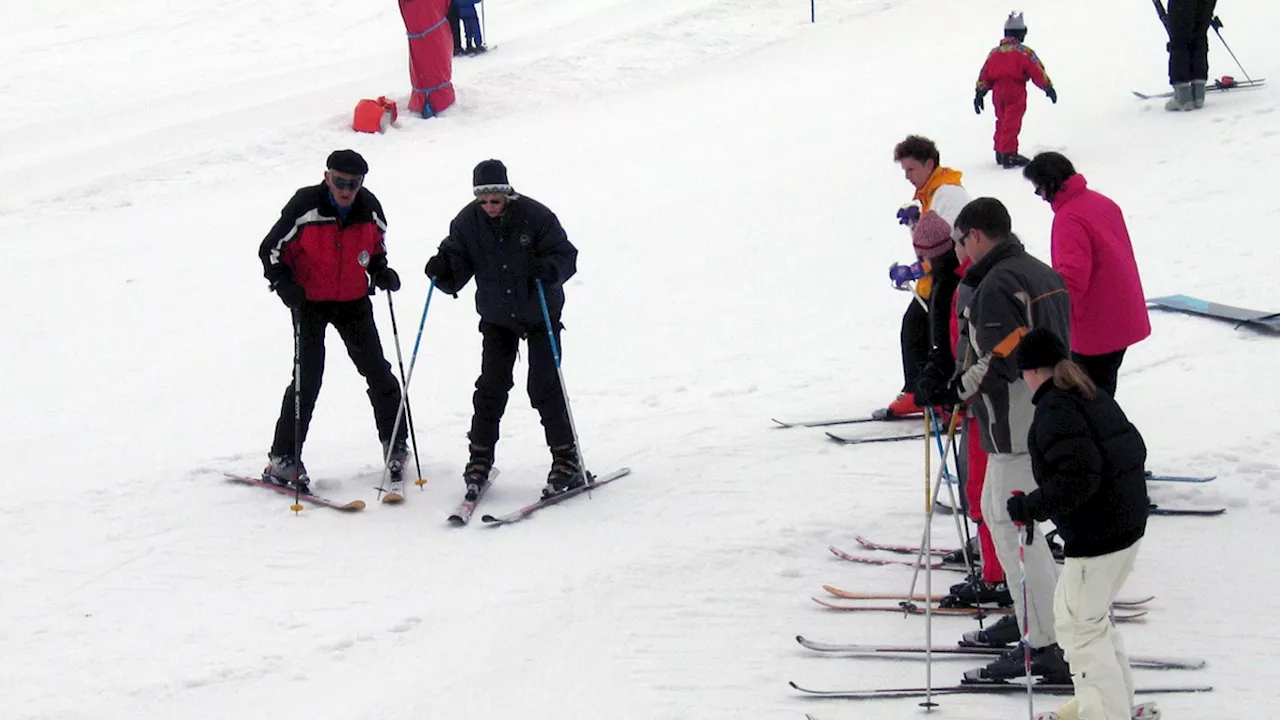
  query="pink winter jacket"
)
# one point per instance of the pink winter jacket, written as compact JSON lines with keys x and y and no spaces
{"x":1092,"y":252}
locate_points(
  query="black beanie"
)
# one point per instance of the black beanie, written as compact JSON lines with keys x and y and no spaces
{"x":490,"y":178}
{"x":1040,"y":348}
{"x":347,"y":161}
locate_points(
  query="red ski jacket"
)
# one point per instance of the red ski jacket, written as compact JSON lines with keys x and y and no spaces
{"x":328,"y":256}
{"x":1010,"y":65}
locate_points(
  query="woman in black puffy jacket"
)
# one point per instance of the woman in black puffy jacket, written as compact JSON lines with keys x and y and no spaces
{"x":1088,"y":461}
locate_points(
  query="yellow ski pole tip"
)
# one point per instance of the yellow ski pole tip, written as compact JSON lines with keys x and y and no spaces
{"x":296,"y":508}
{"x":420,"y":482}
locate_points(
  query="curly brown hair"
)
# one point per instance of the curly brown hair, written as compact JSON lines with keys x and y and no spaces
{"x":916,"y":147}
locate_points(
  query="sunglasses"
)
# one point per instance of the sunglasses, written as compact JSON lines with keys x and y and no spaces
{"x":490,"y":202}
{"x":346,"y":183}
{"x":964,"y":238}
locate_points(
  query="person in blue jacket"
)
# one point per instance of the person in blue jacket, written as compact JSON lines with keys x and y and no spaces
{"x":471,"y":25}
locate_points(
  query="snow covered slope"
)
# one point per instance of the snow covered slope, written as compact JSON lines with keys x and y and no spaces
{"x":724,"y":167}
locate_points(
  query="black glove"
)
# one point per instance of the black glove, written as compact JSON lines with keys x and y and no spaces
{"x":1020,"y":510}
{"x":1053,"y":94}
{"x":438,"y":268}
{"x":291,"y":293}
{"x":546,"y":271}
{"x":935,"y":391}
{"x":977,"y":101}
{"x":387,"y":279}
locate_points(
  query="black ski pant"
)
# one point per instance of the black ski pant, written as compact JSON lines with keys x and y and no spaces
{"x":1101,"y":369}
{"x":354,"y":322}
{"x":915,"y":344}
{"x":1188,"y":26}
{"x":455,"y":25}
{"x":493,"y":387}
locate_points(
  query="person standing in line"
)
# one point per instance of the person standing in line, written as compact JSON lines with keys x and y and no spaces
{"x":510,"y":242}
{"x":1088,"y":461}
{"x":937,"y":189}
{"x":1013,"y":293}
{"x":320,"y":258}
{"x":1090,"y":248}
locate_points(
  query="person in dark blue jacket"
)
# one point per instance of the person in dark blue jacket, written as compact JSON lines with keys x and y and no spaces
{"x":471,"y":24}
{"x":1089,"y":466}
{"x":508,"y":243}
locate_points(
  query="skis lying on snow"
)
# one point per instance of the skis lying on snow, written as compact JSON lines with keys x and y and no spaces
{"x":462,"y":514}
{"x":877,"y":416}
{"x":526,"y":511}
{"x":936,"y":564}
{"x":1142,"y":661}
{"x":308,"y":496}
{"x":1215,"y":85}
{"x":903,"y":549}
{"x":981,"y":688}
{"x":920,"y":597}
{"x":843,"y":440}
{"x":913,"y":609}
{"x":1151,"y":477}
{"x":1203,"y":512}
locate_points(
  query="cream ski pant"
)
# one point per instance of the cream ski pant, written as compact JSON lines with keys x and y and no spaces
{"x":1091,"y":643}
{"x":1007,"y":472}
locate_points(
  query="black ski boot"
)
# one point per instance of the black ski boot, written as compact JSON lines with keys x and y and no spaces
{"x":1047,"y":663}
{"x":476,"y":474}
{"x":1000,"y":159}
{"x":286,"y":470}
{"x":978,"y":592}
{"x":956,"y":557}
{"x":566,"y":472}
{"x":1013,"y":160}
{"x":1001,"y":633}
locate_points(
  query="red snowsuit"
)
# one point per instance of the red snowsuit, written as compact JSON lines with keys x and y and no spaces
{"x":1006,"y":72}
{"x":992,"y":571}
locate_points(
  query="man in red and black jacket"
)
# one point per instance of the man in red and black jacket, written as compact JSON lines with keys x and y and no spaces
{"x":320,"y":258}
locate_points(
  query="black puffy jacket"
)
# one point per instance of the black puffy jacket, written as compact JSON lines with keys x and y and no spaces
{"x":502,"y":254}
{"x":1088,"y":461}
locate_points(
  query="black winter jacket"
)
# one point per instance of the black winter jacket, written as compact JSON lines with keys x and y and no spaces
{"x":1088,"y":461}
{"x":502,"y":254}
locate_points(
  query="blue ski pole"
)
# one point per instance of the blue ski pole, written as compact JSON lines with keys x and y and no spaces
{"x":408,"y":377}
{"x":564,"y":391}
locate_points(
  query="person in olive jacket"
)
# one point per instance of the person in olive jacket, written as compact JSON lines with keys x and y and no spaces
{"x":508,"y":243}
{"x":1089,"y":466}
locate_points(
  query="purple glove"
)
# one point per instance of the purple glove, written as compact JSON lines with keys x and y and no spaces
{"x":903,"y":274}
{"x":909,"y":215}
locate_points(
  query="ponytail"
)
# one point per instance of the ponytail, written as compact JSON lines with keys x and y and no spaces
{"x":1068,"y":375}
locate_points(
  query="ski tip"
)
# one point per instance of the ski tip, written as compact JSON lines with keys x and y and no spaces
{"x":352,"y":506}
{"x":488,"y":519}
{"x":392,"y":499}
{"x":800,"y":639}
{"x":780,"y":423}
{"x":793,"y":684}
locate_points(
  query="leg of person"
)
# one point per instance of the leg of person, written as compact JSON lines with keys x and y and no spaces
{"x":1101,"y":369}
{"x":354,"y":323}
{"x":472,"y":27}
{"x":1200,"y":51}
{"x":547,"y":397}
{"x":493,"y":387}
{"x":914,"y":342}
{"x":1181,"y":26}
{"x":312,"y":320}
{"x":1093,"y":648}
{"x":992,"y":570}
{"x":1006,"y":473}
{"x":1012,"y":105}
{"x":455,"y":26}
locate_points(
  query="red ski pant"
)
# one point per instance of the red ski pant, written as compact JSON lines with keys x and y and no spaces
{"x":1010,"y":105}
{"x":992,"y":571}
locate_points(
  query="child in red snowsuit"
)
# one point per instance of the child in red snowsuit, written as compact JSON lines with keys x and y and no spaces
{"x":1006,"y":72}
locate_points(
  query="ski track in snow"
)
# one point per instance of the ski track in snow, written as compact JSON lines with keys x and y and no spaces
{"x":724,"y":167}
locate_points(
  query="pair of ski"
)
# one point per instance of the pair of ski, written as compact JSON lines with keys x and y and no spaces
{"x":1125,"y":613}
{"x":1216,"y":85}
{"x":985,"y":687}
{"x":1154,"y":509}
{"x":466,"y":509}
{"x":1151,"y":662}
{"x":878,"y":416}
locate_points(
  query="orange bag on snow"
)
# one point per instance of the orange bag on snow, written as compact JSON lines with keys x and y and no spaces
{"x":374,"y":116}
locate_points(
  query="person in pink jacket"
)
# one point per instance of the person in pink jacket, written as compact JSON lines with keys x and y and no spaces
{"x":1090,"y":248}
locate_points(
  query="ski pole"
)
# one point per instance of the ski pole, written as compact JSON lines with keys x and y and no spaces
{"x":927,"y":545}
{"x":404,"y":402}
{"x":408,"y":377}
{"x":484,"y":28}
{"x":1216,"y":23}
{"x":1024,"y":539}
{"x":564,"y":390}
{"x":297,"y":406}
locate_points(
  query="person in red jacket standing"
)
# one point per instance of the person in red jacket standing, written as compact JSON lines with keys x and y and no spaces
{"x":1090,"y":248}
{"x":1008,"y":68}
{"x":320,"y":258}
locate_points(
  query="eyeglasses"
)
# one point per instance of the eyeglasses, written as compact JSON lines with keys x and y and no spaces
{"x":346,"y":183}
{"x":964,"y":238}
{"x":1039,"y":191}
{"x":490,"y":202}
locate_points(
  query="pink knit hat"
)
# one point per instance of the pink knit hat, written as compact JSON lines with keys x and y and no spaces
{"x":931,"y":236}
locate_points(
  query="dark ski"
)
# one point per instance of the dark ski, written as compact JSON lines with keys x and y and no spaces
{"x":980,"y":688}
{"x":1216,"y":85}
{"x":1190,"y":512}
{"x":843,"y":440}
{"x":308,"y":497}
{"x":526,"y":511}
{"x":920,"y":597}
{"x":1180,"y":478}
{"x":851,"y":649}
